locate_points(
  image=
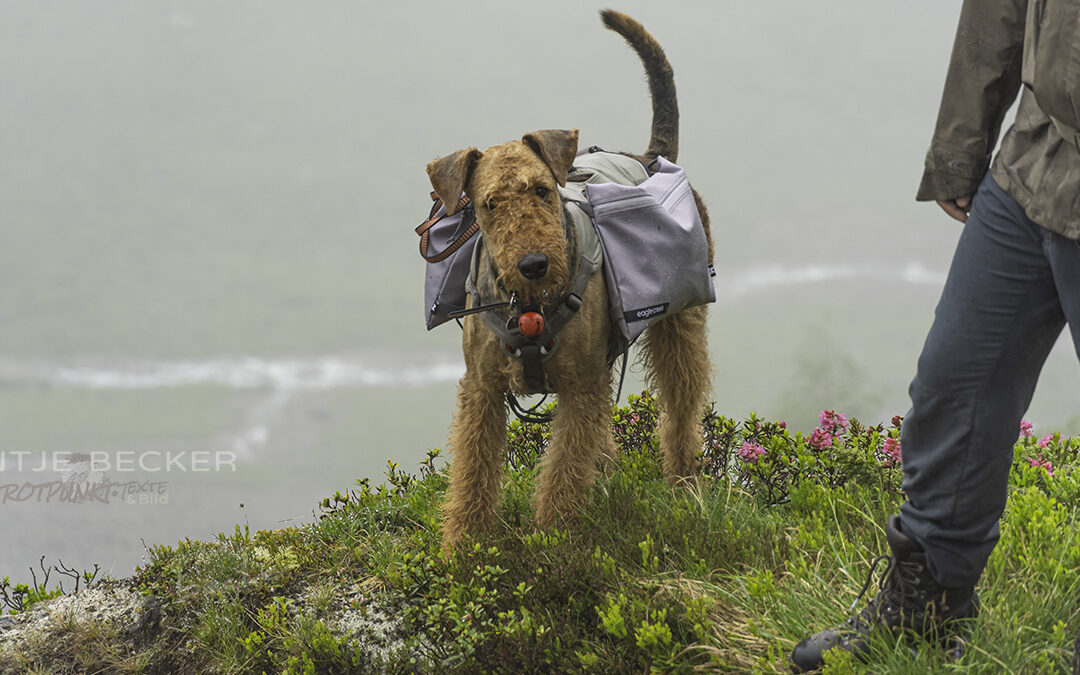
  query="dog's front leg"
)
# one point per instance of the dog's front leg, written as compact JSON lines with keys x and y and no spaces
{"x":580,"y":433}
{"x":478,"y":444}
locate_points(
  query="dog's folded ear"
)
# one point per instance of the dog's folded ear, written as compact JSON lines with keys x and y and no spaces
{"x":450,"y":175}
{"x":557,"y":147}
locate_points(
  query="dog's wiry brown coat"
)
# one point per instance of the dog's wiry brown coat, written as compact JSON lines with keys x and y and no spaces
{"x":514,"y":188}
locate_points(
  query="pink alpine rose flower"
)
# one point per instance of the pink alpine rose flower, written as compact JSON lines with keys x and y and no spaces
{"x":1027,"y":429}
{"x":831,"y":425}
{"x":891,"y":448}
{"x":820,"y":439}
{"x":831,"y":421}
{"x":1045,"y":464}
{"x":750,"y":451}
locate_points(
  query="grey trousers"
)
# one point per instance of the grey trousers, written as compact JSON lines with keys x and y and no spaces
{"x":1011,"y":289}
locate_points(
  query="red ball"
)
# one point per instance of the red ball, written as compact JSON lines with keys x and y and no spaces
{"x":531,"y":324}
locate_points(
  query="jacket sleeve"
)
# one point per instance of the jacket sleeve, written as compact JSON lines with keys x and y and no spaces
{"x":982,"y":82}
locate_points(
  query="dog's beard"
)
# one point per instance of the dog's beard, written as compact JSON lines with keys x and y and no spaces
{"x":543,"y":292}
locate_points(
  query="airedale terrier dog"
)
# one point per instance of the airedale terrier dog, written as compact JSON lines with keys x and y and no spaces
{"x":529,"y":253}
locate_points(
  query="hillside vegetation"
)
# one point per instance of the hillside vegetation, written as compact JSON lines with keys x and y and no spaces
{"x":725,"y":574}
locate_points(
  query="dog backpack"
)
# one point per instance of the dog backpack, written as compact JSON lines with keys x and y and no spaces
{"x":446,"y":243}
{"x":655,"y":252}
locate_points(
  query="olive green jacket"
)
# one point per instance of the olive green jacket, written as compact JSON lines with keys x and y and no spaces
{"x":1001,"y":44}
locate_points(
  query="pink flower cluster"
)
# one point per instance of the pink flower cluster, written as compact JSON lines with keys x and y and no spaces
{"x":750,"y":451}
{"x":834,"y":420}
{"x":1044,"y":463}
{"x":831,"y":425}
{"x":891,"y":448}
{"x":1046,"y":440}
{"x":1027,"y":429}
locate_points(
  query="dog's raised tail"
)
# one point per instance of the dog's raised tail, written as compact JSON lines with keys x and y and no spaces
{"x":665,"y":121}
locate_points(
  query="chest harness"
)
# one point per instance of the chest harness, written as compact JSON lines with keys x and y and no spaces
{"x":528,"y":331}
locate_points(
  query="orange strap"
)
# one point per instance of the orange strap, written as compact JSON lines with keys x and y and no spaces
{"x":423,"y":229}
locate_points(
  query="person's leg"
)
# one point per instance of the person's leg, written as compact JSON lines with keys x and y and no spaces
{"x":1064,"y":255}
{"x":998,"y":317}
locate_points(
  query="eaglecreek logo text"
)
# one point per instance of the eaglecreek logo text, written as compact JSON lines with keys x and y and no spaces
{"x":645,"y":312}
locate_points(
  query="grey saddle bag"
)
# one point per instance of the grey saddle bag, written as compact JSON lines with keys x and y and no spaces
{"x":655,"y":253}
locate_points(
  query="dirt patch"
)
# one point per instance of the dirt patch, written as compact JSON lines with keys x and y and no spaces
{"x":106,"y":616}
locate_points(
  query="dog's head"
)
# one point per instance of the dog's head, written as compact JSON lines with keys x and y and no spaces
{"x":514,"y":187}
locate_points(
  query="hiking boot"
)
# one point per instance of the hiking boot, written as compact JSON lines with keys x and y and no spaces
{"x":908,"y":599}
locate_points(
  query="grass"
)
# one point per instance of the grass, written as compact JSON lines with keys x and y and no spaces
{"x":722,"y":575}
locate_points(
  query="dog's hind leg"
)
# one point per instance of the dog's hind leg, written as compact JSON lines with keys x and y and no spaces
{"x":478,"y":445}
{"x":679,"y":371}
{"x":580,"y":434}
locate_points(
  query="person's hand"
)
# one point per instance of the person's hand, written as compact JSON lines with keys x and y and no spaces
{"x":956,"y":208}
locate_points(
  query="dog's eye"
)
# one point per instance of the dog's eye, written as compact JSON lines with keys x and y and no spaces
{"x":542,"y":192}
{"x":490,"y":204}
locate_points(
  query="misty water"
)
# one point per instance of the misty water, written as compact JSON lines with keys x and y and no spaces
{"x":208,"y":274}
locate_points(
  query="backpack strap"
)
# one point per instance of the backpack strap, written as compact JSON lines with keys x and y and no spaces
{"x":468,"y":215}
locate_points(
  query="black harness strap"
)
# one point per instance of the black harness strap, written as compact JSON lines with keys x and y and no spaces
{"x":529,"y":415}
{"x":533,"y":368}
{"x":531,"y":351}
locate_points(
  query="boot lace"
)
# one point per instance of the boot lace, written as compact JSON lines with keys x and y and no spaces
{"x":862,"y":622}
{"x":903,"y":597}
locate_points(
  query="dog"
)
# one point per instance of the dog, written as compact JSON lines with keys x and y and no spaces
{"x":528,"y":260}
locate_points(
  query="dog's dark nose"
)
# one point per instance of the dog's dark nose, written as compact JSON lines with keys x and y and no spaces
{"x":533,"y":266}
